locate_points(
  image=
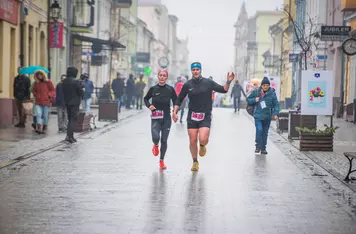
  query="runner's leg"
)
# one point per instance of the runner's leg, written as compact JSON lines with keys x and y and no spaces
{"x":166,"y":127}
{"x":193,"y":142}
{"x":155,"y":132}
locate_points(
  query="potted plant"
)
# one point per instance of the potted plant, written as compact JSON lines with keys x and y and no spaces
{"x":316,"y":139}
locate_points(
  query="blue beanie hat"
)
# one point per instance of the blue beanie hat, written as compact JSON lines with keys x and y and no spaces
{"x":265,"y":81}
{"x":195,"y":65}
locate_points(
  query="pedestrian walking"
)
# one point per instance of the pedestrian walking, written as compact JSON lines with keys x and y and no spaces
{"x":130,"y":91}
{"x":61,"y":107}
{"x":178,"y":89}
{"x":44,"y":93}
{"x":139,"y":87}
{"x":22,"y":94}
{"x":88,"y":90}
{"x":266,"y":107}
{"x":73,"y":92}
{"x":118,"y":88}
{"x":199,"y":91}
{"x":161,"y":94}
{"x":236,"y":91}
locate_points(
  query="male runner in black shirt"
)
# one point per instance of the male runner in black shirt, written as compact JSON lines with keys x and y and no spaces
{"x":161,"y":95}
{"x":199,"y":90}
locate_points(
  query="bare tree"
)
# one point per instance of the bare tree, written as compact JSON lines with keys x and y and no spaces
{"x":307,"y":34}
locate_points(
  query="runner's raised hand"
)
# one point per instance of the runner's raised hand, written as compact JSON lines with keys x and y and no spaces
{"x":230,"y":77}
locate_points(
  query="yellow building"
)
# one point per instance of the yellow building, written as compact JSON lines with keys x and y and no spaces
{"x":264,"y":19}
{"x":20,"y":47}
{"x":287,"y":44}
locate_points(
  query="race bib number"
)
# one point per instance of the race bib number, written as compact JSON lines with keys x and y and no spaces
{"x":198,"y":116}
{"x":157,"y":114}
{"x":263,"y":104}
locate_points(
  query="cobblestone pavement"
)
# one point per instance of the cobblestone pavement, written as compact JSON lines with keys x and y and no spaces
{"x":344,"y":141}
{"x":110,"y":183}
{"x":17,"y":142}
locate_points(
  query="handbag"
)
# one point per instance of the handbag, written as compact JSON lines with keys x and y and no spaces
{"x":27,"y":107}
{"x":250,"y":108}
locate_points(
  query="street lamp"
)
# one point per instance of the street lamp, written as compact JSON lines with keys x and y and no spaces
{"x":56,"y":11}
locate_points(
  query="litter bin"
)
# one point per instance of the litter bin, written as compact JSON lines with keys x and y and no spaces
{"x":282,"y":122}
{"x":108,"y":110}
{"x":298,"y":120}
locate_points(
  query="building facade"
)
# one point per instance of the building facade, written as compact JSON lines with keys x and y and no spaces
{"x":23,"y":42}
{"x":240,"y":44}
{"x":288,"y":50}
{"x":263,"y":40}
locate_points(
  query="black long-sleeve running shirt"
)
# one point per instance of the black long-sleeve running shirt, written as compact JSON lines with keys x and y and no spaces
{"x":161,"y":97}
{"x":199,"y":91}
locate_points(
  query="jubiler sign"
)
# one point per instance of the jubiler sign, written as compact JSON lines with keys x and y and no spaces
{"x":334,"y":33}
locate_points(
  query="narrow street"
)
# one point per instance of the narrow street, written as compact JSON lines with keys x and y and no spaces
{"x":111,"y":183}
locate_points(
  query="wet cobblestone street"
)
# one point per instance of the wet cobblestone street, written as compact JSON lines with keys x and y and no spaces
{"x":110,"y":183}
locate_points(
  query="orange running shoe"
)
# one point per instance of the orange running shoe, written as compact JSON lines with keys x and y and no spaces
{"x":155,"y":150}
{"x":162,"y":165}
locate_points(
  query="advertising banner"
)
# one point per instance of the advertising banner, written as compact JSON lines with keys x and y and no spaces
{"x":317,"y":93}
{"x":56,"y":35}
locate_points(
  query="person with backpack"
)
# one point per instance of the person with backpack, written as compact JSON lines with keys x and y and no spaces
{"x":265,"y":106}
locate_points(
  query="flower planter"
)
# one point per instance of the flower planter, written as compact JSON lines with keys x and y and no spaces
{"x":313,"y":142}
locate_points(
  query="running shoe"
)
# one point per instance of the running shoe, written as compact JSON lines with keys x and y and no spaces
{"x":155,"y":150}
{"x":195,"y":166}
{"x":257,"y":150}
{"x":202,"y":151}
{"x":162,"y":165}
{"x":264,"y":151}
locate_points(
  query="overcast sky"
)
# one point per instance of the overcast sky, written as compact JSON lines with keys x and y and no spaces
{"x":209,"y":25}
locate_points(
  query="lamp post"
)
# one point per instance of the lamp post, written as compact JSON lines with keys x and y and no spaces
{"x":54,"y":13}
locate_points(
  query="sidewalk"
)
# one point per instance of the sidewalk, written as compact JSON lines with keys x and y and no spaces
{"x":344,"y":141}
{"x":19,"y":142}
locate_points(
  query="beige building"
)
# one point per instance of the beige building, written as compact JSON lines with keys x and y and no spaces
{"x":20,"y":47}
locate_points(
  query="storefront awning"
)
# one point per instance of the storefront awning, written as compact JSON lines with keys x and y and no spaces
{"x":110,"y":44}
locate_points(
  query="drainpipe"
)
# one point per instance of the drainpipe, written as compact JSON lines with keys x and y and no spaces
{"x":22,"y":28}
{"x":342,"y":83}
{"x":69,"y":33}
{"x":48,"y":37}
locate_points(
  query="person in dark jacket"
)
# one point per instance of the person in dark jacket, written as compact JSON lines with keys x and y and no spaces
{"x":266,"y":106}
{"x":130,"y":91}
{"x":236,"y":95}
{"x":61,"y":107}
{"x":22,"y":94}
{"x":118,"y":87}
{"x":88,"y":90}
{"x":72,"y":92}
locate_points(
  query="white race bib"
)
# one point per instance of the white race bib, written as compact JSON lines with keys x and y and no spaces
{"x":263,"y":104}
{"x":157,"y":114}
{"x":197,"y":116}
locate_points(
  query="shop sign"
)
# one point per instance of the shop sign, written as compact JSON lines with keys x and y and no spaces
{"x":9,"y":11}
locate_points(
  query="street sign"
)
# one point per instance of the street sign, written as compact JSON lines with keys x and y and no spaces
{"x":321,"y":57}
{"x":293,"y":58}
{"x":334,"y":33}
{"x":142,"y":57}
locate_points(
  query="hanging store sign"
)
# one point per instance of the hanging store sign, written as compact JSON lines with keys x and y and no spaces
{"x":56,"y":35}
{"x":334,"y":33}
{"x":9,"y":11}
